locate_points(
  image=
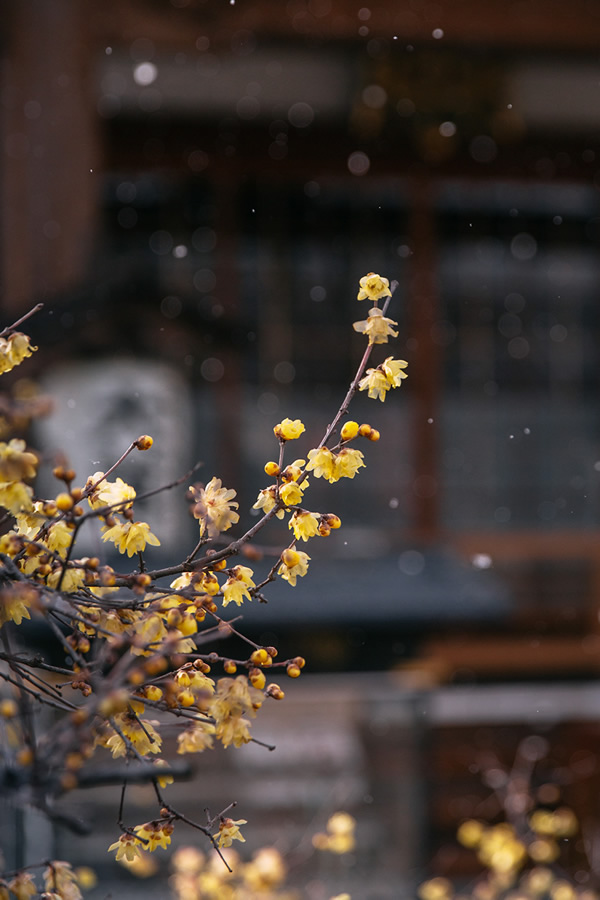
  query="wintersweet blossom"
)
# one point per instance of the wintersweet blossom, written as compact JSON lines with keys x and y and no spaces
{"x":16,"y":497}
{"x":373,"y":287}
{"x":267,"y":499}
{"x":376,"y":383}
{"x":377,"y":327}
{"x":387,"y":375}
{"x":289,"y":430}
{"x":23,"y":886}
{"x":339,"y":836}
{"x":197,"y":738}
{"x":127,"y":847}
{"x":59,"y":538}
{"x":265,"y":871}
{"x":13,"y":350}
{"x":15,"y":602}
{"x":393,"y":370}
{"x":294,"y":564}
{"x":130,"y":537}
{"x":305,"y":525}
{"x":60,"y":879}
{"x":214,"y":507}
{"x":236,"y":586}
{"x":291,"y":493}
{"x":234,"y":699}
{"x":71,"y":580}
{"x":140,"y":733}
{"x":16,"y":462}
{"x":348,"y":462}
{"x":229,"y":831}
{"x":321,"y":461}
{"x":155,"y":834}
{"x":109,"y":493}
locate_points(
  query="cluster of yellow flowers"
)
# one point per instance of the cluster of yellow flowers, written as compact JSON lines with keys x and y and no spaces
{"x":197,"y":877}
{"x":518,"y":862}
{"x":13,"y":350}
{"x":61,"y":882}
{"x":338,"y":836}
{"x":146,"y":629}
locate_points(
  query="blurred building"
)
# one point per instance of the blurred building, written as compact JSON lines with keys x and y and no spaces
{"x":200,"y":185}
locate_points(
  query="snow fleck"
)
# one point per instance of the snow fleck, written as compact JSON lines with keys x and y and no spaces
{"x":145,"y":73}
{"x":481,"y":561}
{"x":447,"y":129}
{"x":359,"y":163}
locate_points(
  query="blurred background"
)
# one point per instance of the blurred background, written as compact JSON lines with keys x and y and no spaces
{"x":193,"y":188}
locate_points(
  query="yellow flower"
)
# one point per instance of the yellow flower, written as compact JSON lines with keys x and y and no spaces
{"x":265,"y":871}
{"x":15,"y":601}
{"x":348,"y":462}
{"x":59,"y":537}
{"x":16,"y":497}
{"x":294,"y":564}
{"x":163,"y":780}
{"x":16,"y":462}
{"x":150,"y":632}
{"x":291,"y":493}
{"x":214,"y":507}
{"x":376,"y":383}
{"x":377,"y":327}
{"x":109,"y":492}
{"x":141,"y":733}
{"x":29,"y":523}
{"x":13,"y":350}
{"x":233,"y":730}
{"x":130,"y":537}
{"x":234,"y":698}
{"x":289,"y":430}
{"x":229,"y":831}
{"x":236,"y":586}
{"x":156,"y":834}
{"x":321,"y":461}
{"x":387,"y":375}
{"x":72,"y":580}
{"x":339,"y":837}
{"x":23,"y":886}
{"x":196,"y":738}
{"x":373,"y":287}
{"x":267,"y":499}
{"x":60,"y":878}
{"x":127,"y":847}
{"x":304,"y":524}
{"x":392,"y":369}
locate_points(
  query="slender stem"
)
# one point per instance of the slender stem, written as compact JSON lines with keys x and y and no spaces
{"x":20,"y":321}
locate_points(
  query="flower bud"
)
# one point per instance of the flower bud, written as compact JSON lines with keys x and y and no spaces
{"x":144,"y":442}
{"x":272,"y":469}
{"x":257,"y":678}
{"x":332,"y":520}
{"x":349,"y":431}
{"x":290,"y":558}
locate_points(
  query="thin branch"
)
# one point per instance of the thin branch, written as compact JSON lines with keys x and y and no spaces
{"x":20,"y":321}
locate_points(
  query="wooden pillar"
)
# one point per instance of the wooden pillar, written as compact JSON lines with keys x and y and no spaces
{"x":427,"y":362}
{"x":48,"y":148}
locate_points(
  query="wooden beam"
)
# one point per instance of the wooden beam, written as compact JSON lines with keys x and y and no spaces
{"x":47,"y":123}
{"x":539,"y":24}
